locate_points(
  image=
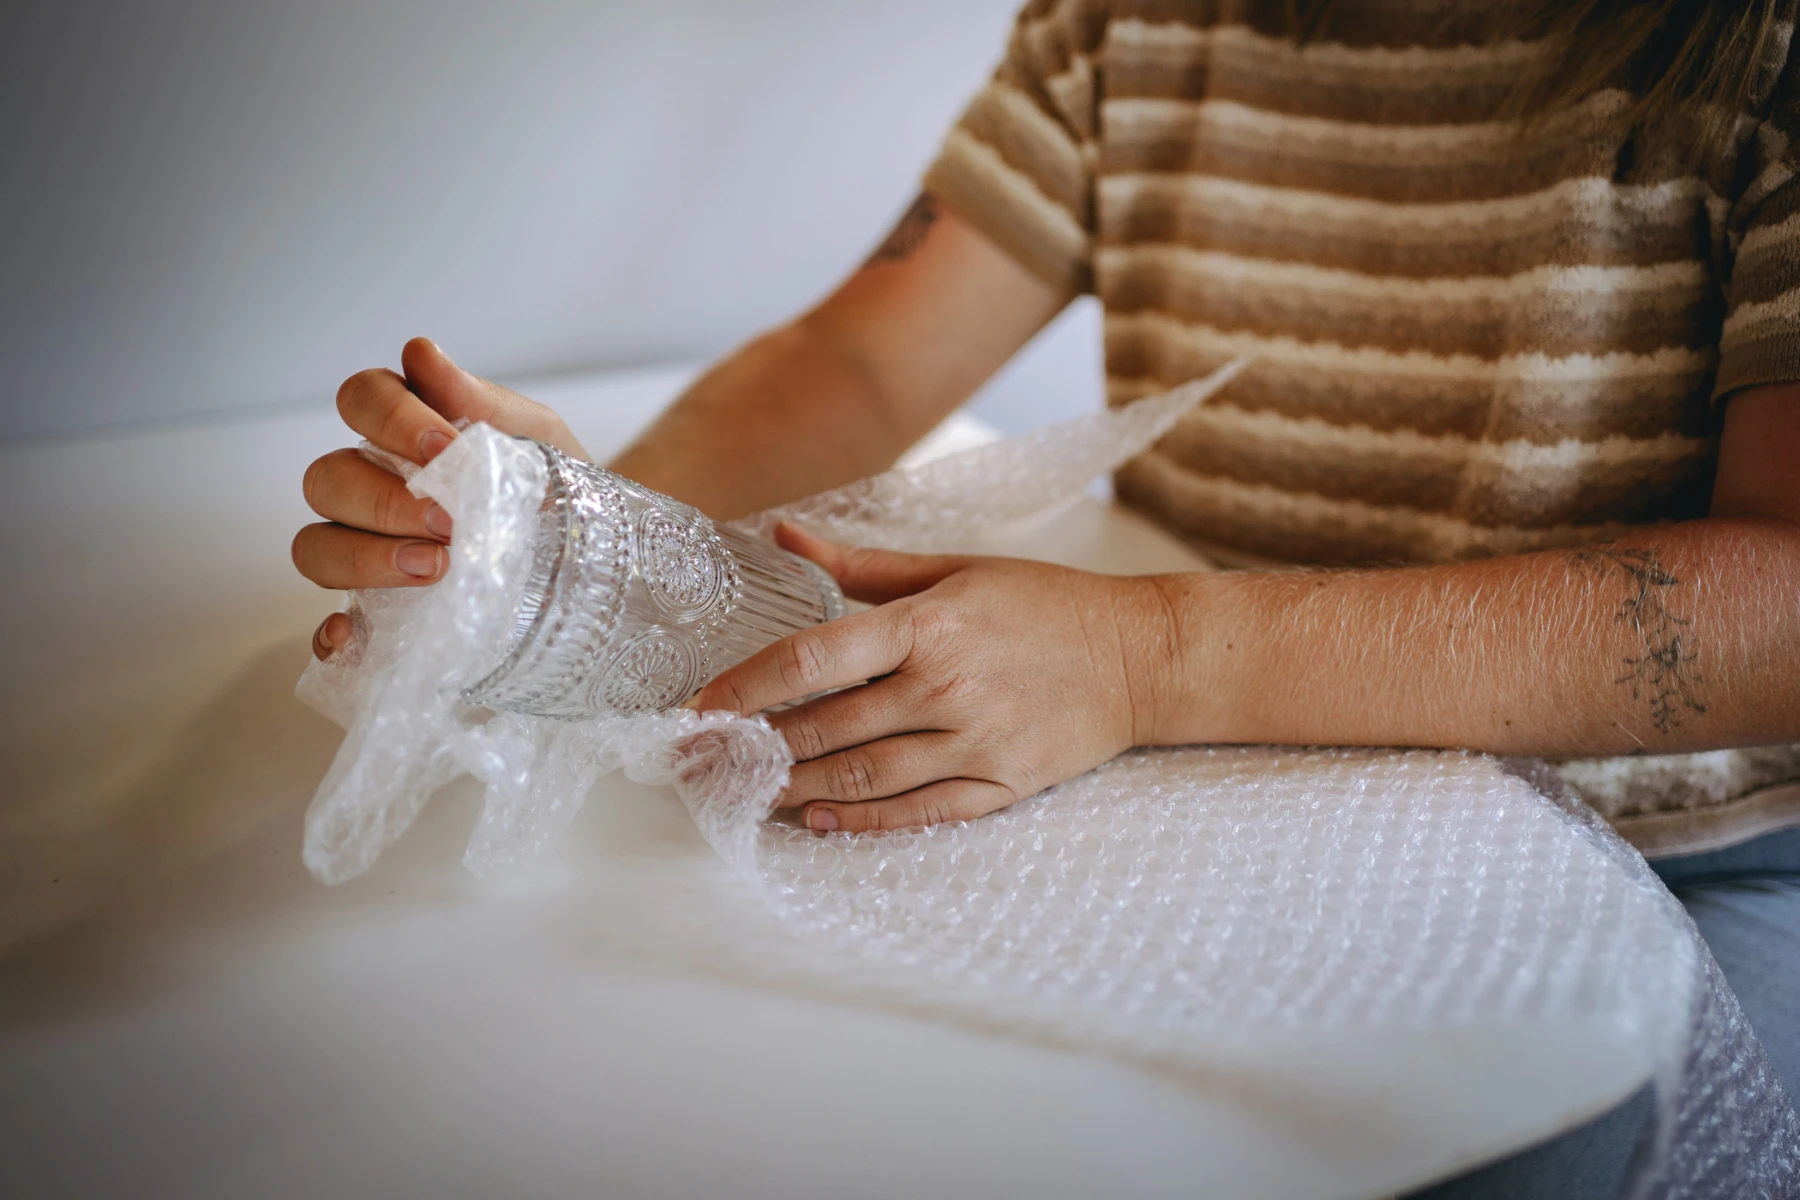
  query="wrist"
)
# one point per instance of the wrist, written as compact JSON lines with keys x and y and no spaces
{"x":1184,"y":660}
{"x":1152,"y":642}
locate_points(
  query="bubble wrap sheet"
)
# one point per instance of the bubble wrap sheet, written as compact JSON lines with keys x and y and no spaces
{"x":1162,"y":898}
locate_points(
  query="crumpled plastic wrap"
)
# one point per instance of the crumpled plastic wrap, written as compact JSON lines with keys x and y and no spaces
{"x":1167,"y":895}
{"x":396,"y":686}
{"x":995,"y":488}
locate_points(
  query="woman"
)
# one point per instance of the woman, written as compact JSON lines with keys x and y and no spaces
{"x":1522,"y":284}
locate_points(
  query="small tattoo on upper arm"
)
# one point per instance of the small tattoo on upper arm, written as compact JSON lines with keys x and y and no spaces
{"x":1665,"y":675}
{"x":909,"y":233}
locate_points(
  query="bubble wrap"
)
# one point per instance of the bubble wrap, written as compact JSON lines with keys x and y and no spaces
{"x":1142,"y":908}
{"x":995,"y":488}
{"x":414,"y":651}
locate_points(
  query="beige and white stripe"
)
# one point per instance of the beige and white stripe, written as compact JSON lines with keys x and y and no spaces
{"x":1466,"y":338}
{"x":1456,"y":326}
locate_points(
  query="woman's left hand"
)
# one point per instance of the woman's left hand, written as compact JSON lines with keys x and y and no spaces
{"x":987,"y":680}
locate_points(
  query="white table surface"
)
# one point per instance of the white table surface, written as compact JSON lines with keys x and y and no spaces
{"x":184,"y":1013}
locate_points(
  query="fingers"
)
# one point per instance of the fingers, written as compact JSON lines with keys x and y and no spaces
{"x":888,"y":706}
{"x":945,"y":800}
{"x":458,"y":395}
{"x":836,"y":654}
{"x":872,"y":576}
{"x":379,"y":534}
{"x":412,"y":415}
{"x":347,"y":488}
{"x":378,"y":405}
{"x":888,"y":767}
{"x":446,"y":387}
{"x":331,"y":636}
{"x":335,"y":556}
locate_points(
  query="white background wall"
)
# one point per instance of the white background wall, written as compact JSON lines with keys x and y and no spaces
{"x":213,"y":205}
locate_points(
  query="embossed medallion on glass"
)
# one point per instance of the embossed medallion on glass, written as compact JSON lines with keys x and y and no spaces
{"x":635,"y":600}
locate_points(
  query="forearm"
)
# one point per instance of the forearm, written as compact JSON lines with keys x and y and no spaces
{"x":785,"y":416}
{"x":1681,"y":638}
{"x":841,"y":392}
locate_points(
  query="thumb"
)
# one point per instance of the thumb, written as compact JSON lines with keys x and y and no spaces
{"x":443,"y":385}
{"x":872,"y":576}
{"x":459,"y":395}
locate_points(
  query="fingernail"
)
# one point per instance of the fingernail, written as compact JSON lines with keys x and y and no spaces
{"x":432,"y":443}
{"x":419,"y":558}
{"x":821,"y":819}
{"x":443,"y":352}
{"x":437,"y":520}
{"x":322,"y":638}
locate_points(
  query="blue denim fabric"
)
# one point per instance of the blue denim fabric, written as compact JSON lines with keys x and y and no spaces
{"x":1746,"y":901}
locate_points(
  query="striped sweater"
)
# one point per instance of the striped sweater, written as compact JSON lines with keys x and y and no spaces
{"x":1464,"y":341}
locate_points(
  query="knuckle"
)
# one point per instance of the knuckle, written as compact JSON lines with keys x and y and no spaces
{"x":373,"y":558}
{"x":853,"y":777}
{"x":725,"y":692}
{"x":391,"y":427}
{"x":946,"y":690}
{"x":933,"y":624}
{"x":805,"y":740}
{"x":390,"y":510}
{"x":801,"y":661}
{"x":898,"y":815}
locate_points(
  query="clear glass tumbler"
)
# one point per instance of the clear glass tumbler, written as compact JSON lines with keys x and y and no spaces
{"x":636,"y":600}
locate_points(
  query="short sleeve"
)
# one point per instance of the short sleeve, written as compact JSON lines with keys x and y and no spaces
{"x":1018,"y":164}
{"x":1760,"y":340}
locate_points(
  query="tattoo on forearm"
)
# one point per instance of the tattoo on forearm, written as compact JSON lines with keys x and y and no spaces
{"x":909,"y":234}
{"x":1665,"y":675}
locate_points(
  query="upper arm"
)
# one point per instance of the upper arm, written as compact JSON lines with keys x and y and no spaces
{"x":935,"y":311}
{"x":1759,"y":454}
{"x":1003,"y":237}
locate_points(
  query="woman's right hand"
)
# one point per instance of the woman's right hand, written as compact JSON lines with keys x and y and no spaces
{"x":376,"y":534}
